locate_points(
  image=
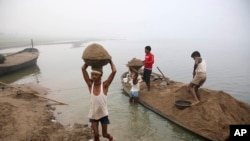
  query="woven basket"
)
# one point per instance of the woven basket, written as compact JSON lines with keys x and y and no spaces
{"x":136,"y":67}
{"x":135,"y":63}
{"x":96,"y":63}
{"x":96,"y":55}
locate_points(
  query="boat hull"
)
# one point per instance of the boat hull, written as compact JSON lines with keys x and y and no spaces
{"x":10,"y":67}
{"x":155,"y":76}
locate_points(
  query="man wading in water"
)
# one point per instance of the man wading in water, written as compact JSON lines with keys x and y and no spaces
{"x":98,"y":103}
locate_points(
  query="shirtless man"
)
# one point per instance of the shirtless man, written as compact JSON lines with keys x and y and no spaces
{"x":98,"y":103}
{"x":199,"y":76}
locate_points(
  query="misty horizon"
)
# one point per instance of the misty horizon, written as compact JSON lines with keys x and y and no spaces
{"x":225,"y":20}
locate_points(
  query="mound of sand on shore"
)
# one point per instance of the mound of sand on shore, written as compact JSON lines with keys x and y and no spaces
{"x":211,"y":117}
{"x":25,"y":117}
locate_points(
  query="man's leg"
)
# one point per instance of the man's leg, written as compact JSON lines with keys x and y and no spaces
{"x":189,"y":86}
{"x":148,"y":81}
{"x":130,"y":99}
{"x":130,"y":96}
{"x":198,"y":86}
{"x":193,"y":91}
{"x":105,"y":133}
{"x":148,"y":85}
{"x":197,"y":92}
{"x":96,"y":131}
{"x":136,"y":99}
{"x":146,"y":77}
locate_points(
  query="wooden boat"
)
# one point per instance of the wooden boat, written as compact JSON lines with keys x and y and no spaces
{"x":154,"y":76}
{"x":210,"y":119}
{"x":19,"y":60}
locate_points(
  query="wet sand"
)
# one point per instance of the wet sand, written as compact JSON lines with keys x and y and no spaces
{"x":25,"y":116}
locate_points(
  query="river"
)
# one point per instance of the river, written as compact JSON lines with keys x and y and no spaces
{"x":59,"y":69}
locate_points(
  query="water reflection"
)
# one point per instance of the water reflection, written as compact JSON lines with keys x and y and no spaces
{"x":143,"y":124}
{"x":184,"y":135}
{"x":139,"y":122}
{"x":32,"y":71}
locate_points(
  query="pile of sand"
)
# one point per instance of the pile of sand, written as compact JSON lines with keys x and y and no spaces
{"x":96,"y":55}
{"x":211,"y":117}
{"x":25,"y":117}
{"x":214,"y":114}
{"x":135,"y":63}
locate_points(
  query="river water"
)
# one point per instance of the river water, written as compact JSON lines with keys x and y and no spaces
{"x":59,"y":69}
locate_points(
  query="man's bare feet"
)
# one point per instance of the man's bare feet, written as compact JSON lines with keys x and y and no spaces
{"x":111,"y":138}
{"x":195,"y":103}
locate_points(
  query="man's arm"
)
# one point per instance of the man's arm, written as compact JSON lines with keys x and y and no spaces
{"x":195,"y":66}
{"x":196,"y":62}
{"x":150,"y":60}
{"x":111,"y":76}
{"x":86,"y":76}
{"x":132,"y":69}
{"x":135,"y":79}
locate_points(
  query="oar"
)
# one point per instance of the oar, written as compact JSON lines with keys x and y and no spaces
{"x":166,"y":78}
{"x":33,"y":93}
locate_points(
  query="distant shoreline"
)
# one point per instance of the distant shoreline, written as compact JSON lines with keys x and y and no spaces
{"x":19,"y":41}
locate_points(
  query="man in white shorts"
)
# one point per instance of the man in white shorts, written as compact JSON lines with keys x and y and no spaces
{"x":199,"y":76}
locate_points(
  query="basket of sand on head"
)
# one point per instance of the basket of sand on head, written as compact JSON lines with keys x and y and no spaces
{"x":96,"y":55}
{"x":135,"y":63}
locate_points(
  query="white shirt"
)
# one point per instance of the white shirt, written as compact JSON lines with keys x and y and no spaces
{"x":135,"y":87}
{"x":202,"y":67}
{"x":98,"y":105}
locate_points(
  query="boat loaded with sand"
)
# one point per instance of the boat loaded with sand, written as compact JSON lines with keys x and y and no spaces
{"x":210,"y":119}
{"x":19,"y":60}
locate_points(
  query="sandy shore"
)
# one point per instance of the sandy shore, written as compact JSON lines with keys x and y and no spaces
{"x":26,"y":117}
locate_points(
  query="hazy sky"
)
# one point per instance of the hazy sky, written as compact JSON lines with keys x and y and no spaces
{"x":195,"y":19}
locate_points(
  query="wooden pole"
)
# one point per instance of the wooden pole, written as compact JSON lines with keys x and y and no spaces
{"x":166,"y":78}
{"x":32,"y":43}
{"x":33,"y":93}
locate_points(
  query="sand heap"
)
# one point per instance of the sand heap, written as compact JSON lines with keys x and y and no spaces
{"x":96,"y":55}
{"x":135,"y":63}
{"x":211,"y":117}
{"x":25,"y":117}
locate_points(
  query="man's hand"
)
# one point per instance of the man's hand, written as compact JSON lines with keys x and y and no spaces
{"x":112,"y":66}
{"x":111,"y":62}
{"x":85,"y":66}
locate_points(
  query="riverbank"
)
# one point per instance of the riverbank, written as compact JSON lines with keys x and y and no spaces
{"x":24,"y":116}
{"x":67,"y":85}
{"x":210,"y":118}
